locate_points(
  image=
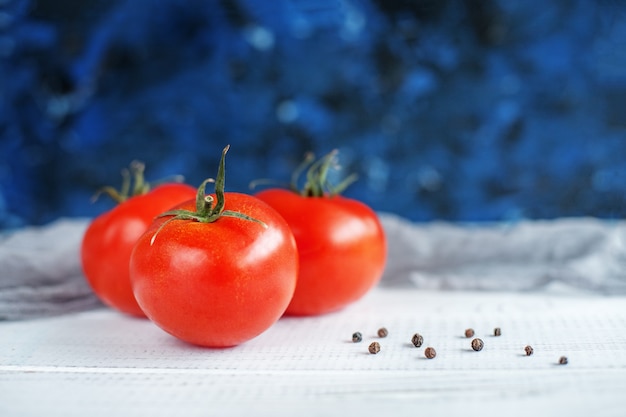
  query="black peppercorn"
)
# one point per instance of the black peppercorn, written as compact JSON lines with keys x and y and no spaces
{"x":477,"y":344}
{"x":430,"y":352}
{"x":382,"y":332}
{"x":357,"y":337}
{"x":529,"y":350}
{"x":497,"y":331}
{"x":563,"y":360}
{"x":469,"y":332}
{"x":374,"y":348}
{"x":417,"y":340}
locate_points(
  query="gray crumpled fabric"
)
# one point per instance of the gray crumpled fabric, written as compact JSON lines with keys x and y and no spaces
{"x":40,"y":272}
{"x":582,"y":253}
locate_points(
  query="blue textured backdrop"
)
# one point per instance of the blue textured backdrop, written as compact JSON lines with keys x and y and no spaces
{"x":447,"y":109}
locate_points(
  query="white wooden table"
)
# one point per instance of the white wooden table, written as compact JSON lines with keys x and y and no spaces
{"x":100,"y":363}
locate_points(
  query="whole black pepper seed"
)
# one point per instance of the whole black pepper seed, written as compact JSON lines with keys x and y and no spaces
{"x":529,"y":350}
{"x":357,"y":337}
{"x":477,"y":344}
{"x":563,"y":360}
{"x":469,"y":332}
{"x":382,"y":332}
{"x":374,"y":348}
{"x":430,"y":352}
{"x":417,"y":340}
{"x":497,"y":332}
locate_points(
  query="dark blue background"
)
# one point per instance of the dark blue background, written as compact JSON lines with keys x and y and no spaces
{"x":446,"y":109}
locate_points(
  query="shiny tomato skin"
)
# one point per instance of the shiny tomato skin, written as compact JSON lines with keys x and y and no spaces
{"x":109,"y":240}
{"x":341,"y":245}
{"x":216,"y":284}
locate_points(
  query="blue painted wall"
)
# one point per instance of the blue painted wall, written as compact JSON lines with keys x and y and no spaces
{"x":446,"y":109}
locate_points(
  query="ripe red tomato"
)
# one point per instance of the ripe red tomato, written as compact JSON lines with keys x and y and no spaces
{"x":109,"y":240}
{"x":341,"y":243}
{"x":210,"y":278}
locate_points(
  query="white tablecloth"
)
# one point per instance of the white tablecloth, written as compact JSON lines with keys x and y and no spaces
{"x":101,"y":363}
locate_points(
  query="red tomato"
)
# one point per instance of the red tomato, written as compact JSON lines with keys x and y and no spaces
{"x":219,"y":283}
{"x":216,"y":271}
{"x":109,"y":240}
{"x":341,"y":245}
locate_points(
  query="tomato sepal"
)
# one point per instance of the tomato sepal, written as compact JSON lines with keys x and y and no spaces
{"x":133,"y":176}
{"x":208,"y":209}
{"x":317,"y":183}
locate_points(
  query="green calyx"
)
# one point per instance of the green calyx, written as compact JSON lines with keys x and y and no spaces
{"x":133,"y":183}
{"x":208,"y":209}
{"x":317,"y":183}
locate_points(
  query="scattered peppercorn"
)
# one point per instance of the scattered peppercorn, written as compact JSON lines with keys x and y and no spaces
{"x":417,"y":340}
{"x":469,"y":332}
{"x":477,"y":344}
{"x":497,"y":331}
{"x":529,"y":350}
{"x":382,"y":332}
{"x":563,"y":360}
{"x":374,"y":348}
{"x":357,"y":337}
{"x":430,"y":352}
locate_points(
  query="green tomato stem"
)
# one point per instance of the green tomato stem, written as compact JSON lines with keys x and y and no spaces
{"x":308,"y":160}
{"x":208,"y":209}
{"x":317,"y":183}
{"x":137,"y":169}
{"x":132,"y":176}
